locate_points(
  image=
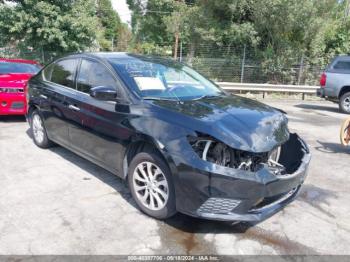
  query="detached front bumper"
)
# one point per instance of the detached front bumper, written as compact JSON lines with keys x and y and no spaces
{"x":12,"y":104}
{"x":227,"y":194}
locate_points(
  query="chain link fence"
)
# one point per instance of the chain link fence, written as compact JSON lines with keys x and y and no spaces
{"x":248,"y":65}
{"x":219,"y":63}
{"x":41,"y":56}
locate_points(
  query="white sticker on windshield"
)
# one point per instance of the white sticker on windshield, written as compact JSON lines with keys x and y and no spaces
{"x":149,"y":83}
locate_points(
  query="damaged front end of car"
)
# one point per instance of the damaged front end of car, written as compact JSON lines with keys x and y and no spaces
{"x":232,"y":159}
{"x":248,"y":186}
{"x":282,"y":160}
{"x":214,"y":151}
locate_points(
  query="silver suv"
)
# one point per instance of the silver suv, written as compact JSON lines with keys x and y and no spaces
{"x":335,"y":83}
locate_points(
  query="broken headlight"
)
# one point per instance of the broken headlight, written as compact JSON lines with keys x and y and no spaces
{"x":214,"y":151}
{"x":273,"y":162}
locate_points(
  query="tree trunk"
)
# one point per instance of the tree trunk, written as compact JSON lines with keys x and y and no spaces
{"x":191,"y":52}
{"x":176,"y":44}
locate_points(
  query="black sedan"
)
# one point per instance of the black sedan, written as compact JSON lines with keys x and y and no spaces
{"x":182,"y":143}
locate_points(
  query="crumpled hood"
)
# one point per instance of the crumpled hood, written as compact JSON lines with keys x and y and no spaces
{"x":239,"y":122}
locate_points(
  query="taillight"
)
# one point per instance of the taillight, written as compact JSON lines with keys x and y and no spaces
{"x":26,"y":92}
{"x":323,"y":80}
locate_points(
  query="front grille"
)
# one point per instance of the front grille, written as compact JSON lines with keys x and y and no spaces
{"x":218,"y":205}
{"x":17,"y":105}
{"x":11,"y":90}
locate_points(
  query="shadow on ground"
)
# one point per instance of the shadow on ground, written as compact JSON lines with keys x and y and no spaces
{"x":332,"y":148}
{"x":180,"y":222}
{"x":329,"y":108}
{"x":12,"y":119}
{"x":195,"y":225}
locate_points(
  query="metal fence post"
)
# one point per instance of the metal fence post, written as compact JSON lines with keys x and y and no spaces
{"x":180,"y":51}
{"x":243,"y":64}
{"x":301,"y":67}
{"x":42,"y":54}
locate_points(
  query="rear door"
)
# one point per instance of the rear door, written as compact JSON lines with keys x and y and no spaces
{"x":98,"y":133}
{"x":56,"y":98}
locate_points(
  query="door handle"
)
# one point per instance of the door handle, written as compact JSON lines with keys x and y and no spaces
{"x":43,"y":96}
{"x":75,"y":108}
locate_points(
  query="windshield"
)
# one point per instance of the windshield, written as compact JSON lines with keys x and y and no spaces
{"x":162,"y":79}
{"x":13,"y":68}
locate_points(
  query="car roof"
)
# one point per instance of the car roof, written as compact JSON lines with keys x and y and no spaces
{"x":342,"y":58}
{"x":109,"y":56}
{"x":102,"y":55}
{"x":18,"y":60}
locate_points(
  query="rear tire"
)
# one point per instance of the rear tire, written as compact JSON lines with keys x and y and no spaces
{"x":151,"y":185}
{"x":344,"y":103}
{"x":38,"y":130}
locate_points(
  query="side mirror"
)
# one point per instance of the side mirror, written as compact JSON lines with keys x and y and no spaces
{"x":104,"y":93}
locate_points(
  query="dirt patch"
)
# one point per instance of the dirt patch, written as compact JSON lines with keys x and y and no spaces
{"x":282,"y":244}
{"x":186,"y":235}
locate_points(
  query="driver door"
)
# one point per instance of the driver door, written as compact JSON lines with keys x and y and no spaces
{"x":97,"y":133}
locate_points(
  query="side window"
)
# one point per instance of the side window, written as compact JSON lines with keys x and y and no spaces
{"x":47,"y":72}
{"x":343,"y":65}
{"x":93,"y":74}
{"x":63,"y":72}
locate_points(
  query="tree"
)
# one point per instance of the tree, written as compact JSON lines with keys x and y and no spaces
{"x":124,"y":38}
{"x":55,"y":25}
{"x":110,"y":23}
{"x":147,"y":20}
{"x":175,"y":23}
{"x":333,"y":37}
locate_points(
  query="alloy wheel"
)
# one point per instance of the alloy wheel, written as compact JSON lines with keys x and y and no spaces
{"x":38,"y":129}
{"x":150,"y":186}
{"x":346,"y":104}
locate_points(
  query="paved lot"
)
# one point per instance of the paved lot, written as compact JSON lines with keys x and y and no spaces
{"x":54,"y":202}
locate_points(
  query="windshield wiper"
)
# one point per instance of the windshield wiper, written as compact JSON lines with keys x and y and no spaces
{"x":158,"y":98}
{"x":207,"y":96}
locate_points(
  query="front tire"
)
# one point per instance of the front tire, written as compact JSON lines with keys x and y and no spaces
{"x":151,"y":185}
{"x":344,"y":103}
{"x":38,"y":130}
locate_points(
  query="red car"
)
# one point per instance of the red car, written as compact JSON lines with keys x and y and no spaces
{"x":14,"y":74}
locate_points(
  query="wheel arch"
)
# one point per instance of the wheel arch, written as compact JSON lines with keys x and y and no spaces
{"x":343,"y":90}
{"x":144,"y":144}
{"x":31,"y":108}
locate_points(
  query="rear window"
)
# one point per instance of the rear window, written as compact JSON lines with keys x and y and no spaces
{"x":342,"y":65}
{"x":47,"y":72}
{"x":13,"y":68}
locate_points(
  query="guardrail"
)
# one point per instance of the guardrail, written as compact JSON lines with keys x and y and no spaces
{"x":267,"y":88}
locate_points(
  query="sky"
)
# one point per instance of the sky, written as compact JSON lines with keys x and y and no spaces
{"x":123,"y":10}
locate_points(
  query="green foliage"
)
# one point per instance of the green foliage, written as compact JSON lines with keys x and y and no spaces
{"x":110,"y":22}
{"x":152,"y":49}
{"x":147,"y":20}
{"x":60,"y":26}
{"x":282,"y":33}
{"x":279,"y":34}
{"x":332,"y":40}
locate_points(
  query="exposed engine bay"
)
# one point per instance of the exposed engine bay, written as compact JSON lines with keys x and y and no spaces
{"x":209,"y":149}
